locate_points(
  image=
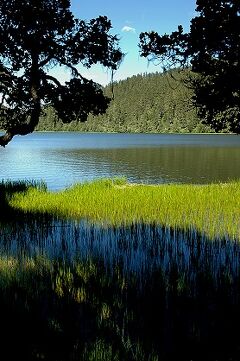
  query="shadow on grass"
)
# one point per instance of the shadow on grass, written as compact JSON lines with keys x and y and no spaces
{"x":7,"y":190}
{"x":78,"y":291}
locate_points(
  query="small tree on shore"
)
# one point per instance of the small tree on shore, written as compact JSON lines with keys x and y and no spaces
{"x":35,"y":36}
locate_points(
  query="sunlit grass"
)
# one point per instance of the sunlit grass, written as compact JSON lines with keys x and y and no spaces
{"x":212,"y":209}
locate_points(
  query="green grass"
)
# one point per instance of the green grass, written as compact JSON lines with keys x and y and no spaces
{"x":212,"y":209}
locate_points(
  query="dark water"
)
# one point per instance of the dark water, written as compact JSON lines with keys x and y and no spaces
{"x":62,"y":159}
{"x":74,"y":290}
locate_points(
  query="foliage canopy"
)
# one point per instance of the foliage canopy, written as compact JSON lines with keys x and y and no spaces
{"x":211,"y":50}
{"x":35,"y":36}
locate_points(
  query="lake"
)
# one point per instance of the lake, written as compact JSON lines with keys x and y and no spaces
{"x":61,"y":159}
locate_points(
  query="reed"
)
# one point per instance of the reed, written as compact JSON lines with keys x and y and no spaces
{"x":212,"y":210}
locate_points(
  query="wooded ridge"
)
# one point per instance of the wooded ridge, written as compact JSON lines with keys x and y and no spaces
{"x":155,"y":103}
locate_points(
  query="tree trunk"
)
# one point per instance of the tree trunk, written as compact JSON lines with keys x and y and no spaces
{"x":24,"y":129}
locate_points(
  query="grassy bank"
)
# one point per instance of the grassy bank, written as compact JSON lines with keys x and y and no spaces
{"x":210,"y":209}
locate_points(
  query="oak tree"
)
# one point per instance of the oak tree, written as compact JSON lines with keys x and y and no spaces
{"x":35,"y":36}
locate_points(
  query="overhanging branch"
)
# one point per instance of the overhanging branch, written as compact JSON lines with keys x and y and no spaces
{"x":54,"y":80}
{"x":6,"y":138}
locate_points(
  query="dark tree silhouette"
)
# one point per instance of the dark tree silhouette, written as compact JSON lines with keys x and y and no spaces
{"x":212,"y":51}
{"x":36,"y":35}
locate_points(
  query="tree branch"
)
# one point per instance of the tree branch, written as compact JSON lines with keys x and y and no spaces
{"x":6,"y":138}
{"x":44,"y":62}
{"x":3,"y":98}
{"x":75,"y":72}
{"x":28,"y":127}
{"x":6,"y":78}
{"x":54,"y":80}
{"x":22,"y":129}
{"x":5,"y":74}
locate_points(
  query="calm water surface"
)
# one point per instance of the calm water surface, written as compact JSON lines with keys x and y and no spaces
{"x":62,"y":159}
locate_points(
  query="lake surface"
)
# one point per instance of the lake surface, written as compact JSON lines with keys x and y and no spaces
{"x":61,"y":159}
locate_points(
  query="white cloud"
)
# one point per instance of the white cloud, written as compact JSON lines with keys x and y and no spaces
{"x":128,"y":29}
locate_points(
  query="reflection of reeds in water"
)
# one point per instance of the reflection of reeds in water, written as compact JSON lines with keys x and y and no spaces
{"x":74,"y":290}
{"x":139,"y":248}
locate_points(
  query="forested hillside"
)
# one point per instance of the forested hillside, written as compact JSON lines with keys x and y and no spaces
{"x":144,"y":103}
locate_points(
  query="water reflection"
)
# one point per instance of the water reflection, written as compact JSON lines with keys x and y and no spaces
{"x":139,"y":248}
{"x":198,"y":165}
{"x":62,"y":159}
{"x":80,"y":291}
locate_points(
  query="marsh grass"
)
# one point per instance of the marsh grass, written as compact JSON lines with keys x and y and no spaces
{"x":213,"y":210}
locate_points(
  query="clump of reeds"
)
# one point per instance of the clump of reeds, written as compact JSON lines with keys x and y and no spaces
{"x":212,"y":209}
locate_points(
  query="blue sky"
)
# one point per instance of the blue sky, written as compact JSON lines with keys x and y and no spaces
{"x":129,"y":18}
